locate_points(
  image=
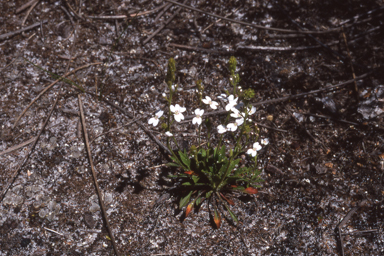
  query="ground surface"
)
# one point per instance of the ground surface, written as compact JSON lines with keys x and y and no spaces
{"x":325,"y":157}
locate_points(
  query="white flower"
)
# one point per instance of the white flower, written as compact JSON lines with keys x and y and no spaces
{"x":221,"y":129}
{"x":240,"y":121}
{"x":155,"y":120}
{"x":197,"y":119}
{"x":222,"y":97}
{"x":168,"y":134}
{"x":233,"y":126}
{"x":208,"y":101}
{"x":177,"y":110}
{"x":236,"y":113}
{"x":253,"y":151}
{"x":251,"y":111}
{"x":232,"y":102}
{"x":265,"y":141}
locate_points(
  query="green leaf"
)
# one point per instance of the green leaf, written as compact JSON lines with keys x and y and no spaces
{"x":198,"y":200}
{"x":173,"y":164}
{"x":233,"y":216}
{"x":185,"y":200}
{"x":185,"y":159}
{"x":208,"y":194}
{"x":186,"y":183}
{"x":233,"y":164}
{"x":222,"y":152}
{"x":203,"y":152}
{"x":195,"y":178}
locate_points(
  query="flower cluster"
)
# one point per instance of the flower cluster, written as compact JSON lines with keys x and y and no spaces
{"x":231,"y":106}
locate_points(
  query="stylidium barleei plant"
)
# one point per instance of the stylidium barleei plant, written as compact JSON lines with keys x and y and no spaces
{"x":210,"y":171}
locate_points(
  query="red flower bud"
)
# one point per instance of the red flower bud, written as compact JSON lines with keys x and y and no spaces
{"x":188,"y":210}
{"x":217,"y":219}
{"x":250,"y":190}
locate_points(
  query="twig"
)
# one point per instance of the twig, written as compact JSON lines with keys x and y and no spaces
{"x":53,"y":231}
{"x":115,"y":129}
{"x":29,"y":11}
{"x":25,"y":6}
{"x":254,"y":25}
{"x":311,"y":36}
{"x":199,"y":49}
{"x":300,"y":48}
{"x":361,"y":15}
{"x":148,"y":12}
{"x":17,"y":171}
{"x":49,"y":86}
{"x":102,"y":206}
{"x":72,"y":10}
{"x":356,"y":91}
{"x":69,"y":16}
{"x":167,"y":6}
{"x":226,"y":16}
{"x":109,"y":17}
{"x":13,"y":33}
{"x":123,"y":17}
{"x":162,"y":26}
{"x":16,"y":147}
{"x":331,"y":118}
{"x":345,"y":220}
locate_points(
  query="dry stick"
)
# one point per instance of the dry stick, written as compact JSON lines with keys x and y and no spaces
{"x":95,"y":178}
{"x":361,"y":15}
{"x":17,"y":171}
{"x":109,"y":17}
{"x":167,"y":6}
{"x":121,"y":17}
{"x":311,"y":36}
{"x":28,"y":12}
{"x":25,"y":6}
{"x":198,"y":49}
{"x":351,"y":64}
{"x":226,"y":16}
{"x":345,"y":220}
{"x":295,"y":96}
{"x":254,"y":25}
{"x":269,"y":48}
{"x":112,"y":130}
{"x":69,"y":16}
{"x":49,"y":86}
{"x":165,"y":24}
{"x":23,"y":144}
{"x":13,"y":33}
{"x":331,"y":118}
{"x":72,"y":10}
